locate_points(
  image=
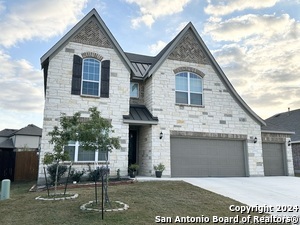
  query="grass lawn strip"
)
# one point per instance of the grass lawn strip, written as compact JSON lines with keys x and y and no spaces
{"x":147,"y":200}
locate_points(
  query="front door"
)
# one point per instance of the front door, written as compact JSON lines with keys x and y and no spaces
{"x":132,"y":152}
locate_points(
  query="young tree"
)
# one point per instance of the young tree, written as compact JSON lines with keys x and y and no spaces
{"x":60,"y":136}
{"x":94,"y":135}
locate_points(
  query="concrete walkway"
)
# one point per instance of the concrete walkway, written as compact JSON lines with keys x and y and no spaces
{"x":252,"y":191}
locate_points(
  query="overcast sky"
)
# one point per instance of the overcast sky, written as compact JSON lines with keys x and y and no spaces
{"x":256,"y":43}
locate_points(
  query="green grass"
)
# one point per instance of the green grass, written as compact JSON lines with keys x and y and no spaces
{"x":145,"y":199}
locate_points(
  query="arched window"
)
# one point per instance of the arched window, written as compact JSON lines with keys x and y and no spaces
{"x":189,"y":88}
{"x":91,"y":77}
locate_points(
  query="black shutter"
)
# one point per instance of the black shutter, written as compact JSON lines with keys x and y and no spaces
{"x":76,"y":76}
{"x":105,"y":71}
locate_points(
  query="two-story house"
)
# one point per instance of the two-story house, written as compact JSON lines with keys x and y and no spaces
{"x":177,"y":108}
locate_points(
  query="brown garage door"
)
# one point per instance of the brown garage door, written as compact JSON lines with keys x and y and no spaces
{"x":192,"y":157}
{"x":273,"y":155}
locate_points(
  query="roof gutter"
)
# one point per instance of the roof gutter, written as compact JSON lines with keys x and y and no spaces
{"x":277,"y":132}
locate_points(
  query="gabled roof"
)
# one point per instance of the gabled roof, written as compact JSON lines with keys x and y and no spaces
{"x":7,"y":132}
{"x":146,"y":66}
{"x":163,"y":55}
{"x":141,"y":63}
{"x":288,"y":121}
{"x":30,"y":130}
{"x":66,"y":38}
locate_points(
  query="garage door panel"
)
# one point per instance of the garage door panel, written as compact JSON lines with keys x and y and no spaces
{"x":206,"y":157}
{"x":273,"y":157}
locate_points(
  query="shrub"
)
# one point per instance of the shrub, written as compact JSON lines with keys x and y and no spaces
{"x":76,"y":174}
{"x":92,"y":174}
{"x":52,"y":171}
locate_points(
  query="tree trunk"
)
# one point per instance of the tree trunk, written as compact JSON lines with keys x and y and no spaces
{"x":56,"y":177}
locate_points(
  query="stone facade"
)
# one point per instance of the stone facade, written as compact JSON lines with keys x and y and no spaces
{"x":59,"y":100}
{"x":296,"y":157}
{"x":221,"y":115}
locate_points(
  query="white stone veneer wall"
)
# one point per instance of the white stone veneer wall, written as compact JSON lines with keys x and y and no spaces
{"x":289,"y":157}
{"x":221,"y":114}
{"x":59,"y":100}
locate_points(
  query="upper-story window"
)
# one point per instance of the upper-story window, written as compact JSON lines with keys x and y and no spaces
{"x":134,"y":90}
{"x":91,"y":77}
{"x":189,"y":88}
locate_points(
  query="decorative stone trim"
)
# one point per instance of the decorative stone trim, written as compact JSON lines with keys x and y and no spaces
{"x":274,"y":138}
{"x":175,"y":133}
{"x":189,"y":69}
{"x":62,"y":198}
{"x":125,"y":207}
{"x":92,"y":55}
{"x":70,"y":50}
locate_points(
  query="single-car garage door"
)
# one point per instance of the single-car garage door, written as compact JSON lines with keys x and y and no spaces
{"x":191,"y":157}
{"x":273,"y":155}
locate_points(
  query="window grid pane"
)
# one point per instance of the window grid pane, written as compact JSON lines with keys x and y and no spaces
{"x":134,"y":90}
{"x":181,"y":97}
{"x":71,"y":151}
{"x":102,"y":156}
{"x":90,"y":88}
{"x":182,"y":82}
{"x":195,"y":83}
{"x":196,"y":99}
{"x":85,"y":155}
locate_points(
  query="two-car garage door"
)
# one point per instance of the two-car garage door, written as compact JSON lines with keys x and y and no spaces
{"x":193,"y":157}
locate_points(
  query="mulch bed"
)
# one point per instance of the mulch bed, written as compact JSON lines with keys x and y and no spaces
{"x":111,"y":182}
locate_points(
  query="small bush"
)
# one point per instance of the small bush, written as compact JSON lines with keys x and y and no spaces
{"x":52,"y":172}
{"x":76,"y":174}
{"x":92,"y":174}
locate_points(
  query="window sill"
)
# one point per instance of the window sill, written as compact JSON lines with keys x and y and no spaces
{"x":187,"y":105}
{"x":84,"y":162}
{"x":89,"y":96}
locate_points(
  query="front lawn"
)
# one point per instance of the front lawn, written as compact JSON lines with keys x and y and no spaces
{"x":146,"y":200}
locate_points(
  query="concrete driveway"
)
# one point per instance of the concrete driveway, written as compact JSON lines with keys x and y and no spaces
{"x":252,"y":191}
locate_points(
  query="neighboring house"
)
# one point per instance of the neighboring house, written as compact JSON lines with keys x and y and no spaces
{"x":289,"y":120}
{"x":27,"y":138}
{"x":18,"y":153}
{"x":177,"y":108}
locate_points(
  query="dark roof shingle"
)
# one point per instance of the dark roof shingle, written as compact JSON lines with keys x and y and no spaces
{"x":288,"y":121}
{"x":30,"y":130}
{"x":7,"y":132}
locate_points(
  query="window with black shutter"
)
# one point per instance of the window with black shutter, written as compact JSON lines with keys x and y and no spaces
{"x":90,"y":77}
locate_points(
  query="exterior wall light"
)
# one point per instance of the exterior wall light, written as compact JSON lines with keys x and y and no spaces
{"x":161,"y":135}
{"x":289,"y":143}
{"x":255,"y":140}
